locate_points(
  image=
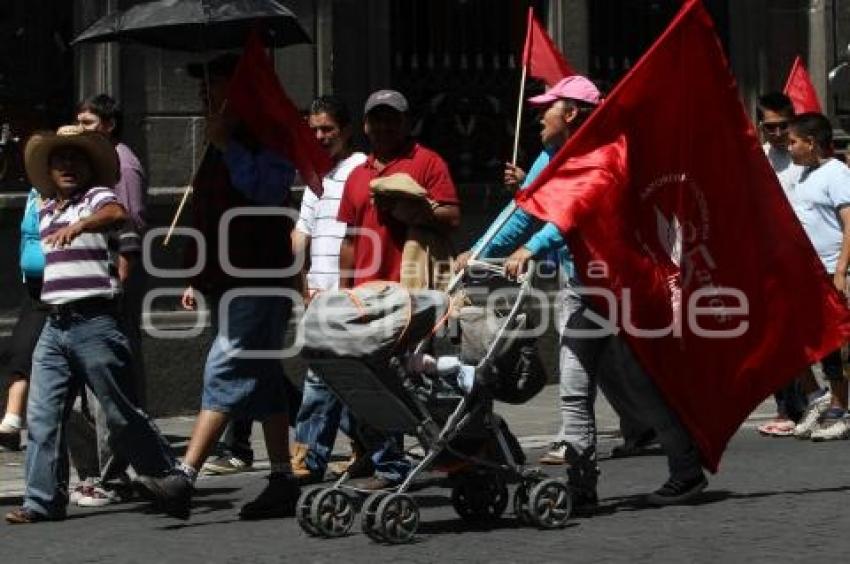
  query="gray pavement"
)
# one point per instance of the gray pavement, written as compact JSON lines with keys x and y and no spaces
{"x":774,"y":499}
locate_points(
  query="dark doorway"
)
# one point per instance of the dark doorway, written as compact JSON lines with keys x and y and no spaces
{"x":36,"y":76}
{"x":458,"y":63}
{"x":622,"y":30}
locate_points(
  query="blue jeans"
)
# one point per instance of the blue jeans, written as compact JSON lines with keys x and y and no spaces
{"x":319,"y":418}
{"x":75,"y":350}
{"x":389,"y":460}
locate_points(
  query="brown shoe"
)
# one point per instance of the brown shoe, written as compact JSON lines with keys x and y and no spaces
{"x":377,"y":483}
{"x":298,"y":461}
{"x":24,"y":516}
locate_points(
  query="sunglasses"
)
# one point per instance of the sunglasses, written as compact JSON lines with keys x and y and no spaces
{"x":774,"y":126}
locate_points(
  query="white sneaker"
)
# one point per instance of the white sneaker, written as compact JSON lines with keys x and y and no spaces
{"x":81,"y":489}
{"x":98,"y":496}
{"x":832,"y":430}
{"x":809,"y":421}
{"x":557,"y":454}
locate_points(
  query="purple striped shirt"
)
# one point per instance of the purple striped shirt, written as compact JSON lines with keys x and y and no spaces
{"x":86,"y":267}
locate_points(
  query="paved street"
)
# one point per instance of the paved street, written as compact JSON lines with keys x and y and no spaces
{"x":775,"y":499}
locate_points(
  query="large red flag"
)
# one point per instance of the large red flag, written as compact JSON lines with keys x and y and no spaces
{"x":540,"y":55}
{"x":256,"y":96}
{"x":800,"y":89}
{"x":674,"y":213}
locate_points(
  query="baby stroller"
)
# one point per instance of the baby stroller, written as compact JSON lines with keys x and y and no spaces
{"x":377,"y":347}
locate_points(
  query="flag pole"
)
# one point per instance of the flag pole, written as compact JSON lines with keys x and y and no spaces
{"x":190,"y":187}
{"x":519,"y":112}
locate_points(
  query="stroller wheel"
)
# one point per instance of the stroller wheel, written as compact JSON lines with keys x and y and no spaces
{"x":368,"y":519}
{"x":302,"y":510}
{"x":332,"y":512}
{"x":480,"y":498}
{"x":398,"y":518}
{"x":521,"y":504}
{"x":550,"y":504}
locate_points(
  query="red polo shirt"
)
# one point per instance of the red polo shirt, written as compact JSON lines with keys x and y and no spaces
{"x":378,"y":257}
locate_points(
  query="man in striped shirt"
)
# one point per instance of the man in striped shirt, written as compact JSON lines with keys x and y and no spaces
{"x":319,"y":233}
{"x":82,"y":342}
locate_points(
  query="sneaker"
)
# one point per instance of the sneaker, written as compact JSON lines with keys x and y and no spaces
{"x":677,"y":491}
{"x":278,"y":499}
{"x":227,"y":464}
{"x":809,"y":421}
{"x":172,"y":493}
{"x":81,"y":489}
{"x":556,"y":455}
{"x":832,"y":426}
{"x":98,"y":495}
{"x":10,"y":440}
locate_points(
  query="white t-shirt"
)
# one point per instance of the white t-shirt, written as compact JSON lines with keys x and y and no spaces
{"x":816,"y":199}
{"x":317,"y":219}
{"x":787,"y":172}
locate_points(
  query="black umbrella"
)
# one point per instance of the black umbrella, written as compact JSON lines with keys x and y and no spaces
{"x":198,"y":25}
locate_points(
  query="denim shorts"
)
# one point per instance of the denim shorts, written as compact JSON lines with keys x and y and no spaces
{"x":248,"y":387}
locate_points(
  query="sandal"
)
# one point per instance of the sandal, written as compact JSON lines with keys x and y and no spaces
{"x":778,"y":428}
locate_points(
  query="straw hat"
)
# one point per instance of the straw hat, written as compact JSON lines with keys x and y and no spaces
{"x":99,"y":149}
{"x":398,"y":185}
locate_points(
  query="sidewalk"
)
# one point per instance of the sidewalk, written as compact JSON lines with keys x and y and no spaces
{"x":534,"y":423}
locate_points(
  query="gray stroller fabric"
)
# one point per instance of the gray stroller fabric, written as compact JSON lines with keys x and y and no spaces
{"x":373,"y":321}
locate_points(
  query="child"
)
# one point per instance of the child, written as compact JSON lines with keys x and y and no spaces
{"x":821,"y":200}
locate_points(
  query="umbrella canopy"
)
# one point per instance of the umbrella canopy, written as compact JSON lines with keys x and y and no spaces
{"x":198,"y":25}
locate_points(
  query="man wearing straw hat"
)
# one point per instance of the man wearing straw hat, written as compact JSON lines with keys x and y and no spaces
{"x":82,"y":342}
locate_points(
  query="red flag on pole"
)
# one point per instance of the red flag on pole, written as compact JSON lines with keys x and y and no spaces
{"x":543,"y":59}
{"x":675,"y":216}
{"x":800,"y":89}
{"x":256,"y":96}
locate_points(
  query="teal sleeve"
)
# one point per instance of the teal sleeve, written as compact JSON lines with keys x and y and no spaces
{"x":545,"y":240}
{"x":516,"y":230}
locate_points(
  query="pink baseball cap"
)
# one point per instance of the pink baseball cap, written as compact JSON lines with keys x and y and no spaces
{"x":575,"y":87}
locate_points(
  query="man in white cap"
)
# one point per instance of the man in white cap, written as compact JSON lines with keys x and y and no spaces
{"x":584,"y":359}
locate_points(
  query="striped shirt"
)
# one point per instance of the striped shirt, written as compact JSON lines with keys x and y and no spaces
{"x":318,"y":219}
{"x":86,"y":267}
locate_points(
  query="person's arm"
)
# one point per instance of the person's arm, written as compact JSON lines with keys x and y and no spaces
{"x":301,"y":252}
{"x":513,"y":232}
{"x":546,"y":239}
{"x":346,"y":261}
{"x":840,"y":277}
{"x":103,"y":219}
{"x":263,"y":177}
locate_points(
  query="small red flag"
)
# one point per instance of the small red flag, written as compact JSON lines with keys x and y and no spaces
{"x":540,"y":55}
{"x":708,"y":273}
{"x":800,"y":89}
{"x":256,"y":96}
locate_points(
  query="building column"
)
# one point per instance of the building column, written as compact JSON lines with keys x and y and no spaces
{"x":324,"y":42}
{"x":568,"y":23}
{"x":821,"y":47}
{"x":98,"y":65}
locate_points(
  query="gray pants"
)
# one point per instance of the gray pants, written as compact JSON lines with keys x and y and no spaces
{"x":587,"y":360}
